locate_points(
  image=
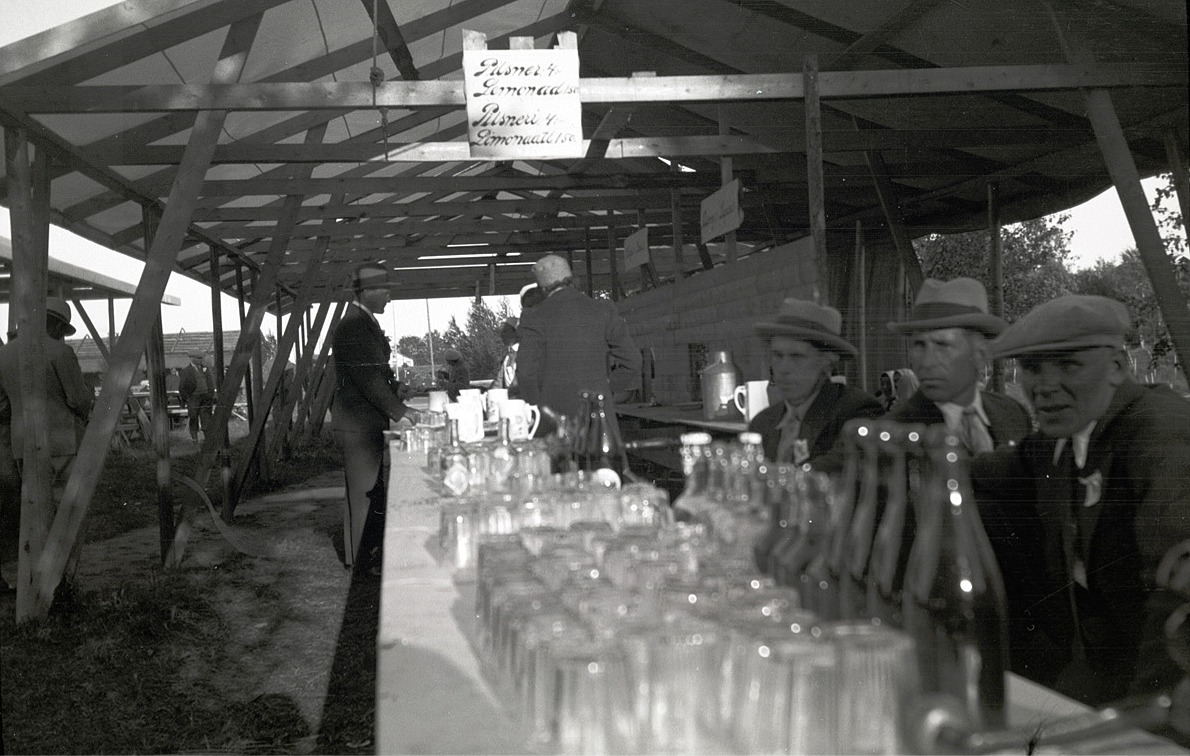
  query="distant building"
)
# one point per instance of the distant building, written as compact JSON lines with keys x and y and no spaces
{"x":177,"y":350}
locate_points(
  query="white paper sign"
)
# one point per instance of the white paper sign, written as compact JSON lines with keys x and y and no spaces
{"x":636,"y":249}
{"x":720,"y":212}
{"x":523,"y":103}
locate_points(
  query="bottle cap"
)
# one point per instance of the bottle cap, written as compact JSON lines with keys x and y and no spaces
{"x":748,"y":437}
{"x":695,"y":439}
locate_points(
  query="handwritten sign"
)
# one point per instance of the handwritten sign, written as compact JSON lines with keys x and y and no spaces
{"x":636,"y":249}
{"x":523,"y":103}
{"x":720,"y":212}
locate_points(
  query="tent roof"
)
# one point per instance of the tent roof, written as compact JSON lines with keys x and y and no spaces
{"x":71,"y":282}
{"x":941,"y":97}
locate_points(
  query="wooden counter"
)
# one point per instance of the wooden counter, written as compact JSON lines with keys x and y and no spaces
{"x":431,"y":694}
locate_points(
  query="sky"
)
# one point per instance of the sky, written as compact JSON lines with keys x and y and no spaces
{"x":1100,"y":230}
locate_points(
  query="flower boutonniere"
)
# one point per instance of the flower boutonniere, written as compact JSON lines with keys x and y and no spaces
{"x":801,"y":451}
{"x":1094,"y":485}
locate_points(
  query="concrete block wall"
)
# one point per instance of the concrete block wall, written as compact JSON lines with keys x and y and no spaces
{"x":717,"y":310}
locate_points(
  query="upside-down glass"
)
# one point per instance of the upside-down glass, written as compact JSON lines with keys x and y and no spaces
{"x":877,"y":675}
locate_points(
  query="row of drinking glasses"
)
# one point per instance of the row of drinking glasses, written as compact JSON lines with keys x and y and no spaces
{"x":647,"y":641}
{"x":559,"y":501}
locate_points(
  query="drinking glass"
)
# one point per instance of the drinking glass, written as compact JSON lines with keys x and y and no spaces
{"x":877,"y":676}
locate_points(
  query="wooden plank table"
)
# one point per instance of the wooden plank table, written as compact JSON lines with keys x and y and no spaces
{"x":432,"y":696}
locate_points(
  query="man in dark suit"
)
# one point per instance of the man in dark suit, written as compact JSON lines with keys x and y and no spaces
{"x":804,"y":345}
{"x":1101,"y":494}
{"x":571,"y":343}
{"x":196,"y":389}
{"x":367,"y":398}
{"x":68,"y":401}
{"x":948,"y":331}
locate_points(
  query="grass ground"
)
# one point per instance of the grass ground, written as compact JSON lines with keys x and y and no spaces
{"x":229,"y":653}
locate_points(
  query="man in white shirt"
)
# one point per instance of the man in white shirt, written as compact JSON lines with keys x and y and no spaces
{"x":948,"y":330}
{"x":1097,"y":497}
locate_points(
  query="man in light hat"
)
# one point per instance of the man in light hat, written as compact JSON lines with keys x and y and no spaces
{"x":68,"y":401}
{"x":804,"y":346}
{"x":1098,"y":496}
{"x":948,"y":330}
{"x":570,"y":343}
{"x":455,"y":376}
{"x":368,"y":397}
{"x":196,"y":389}
{"x":506,"y":376}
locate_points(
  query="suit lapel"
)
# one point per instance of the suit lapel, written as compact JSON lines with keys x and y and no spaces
{"x":1094,"y":474}
{"x":818,"y":414}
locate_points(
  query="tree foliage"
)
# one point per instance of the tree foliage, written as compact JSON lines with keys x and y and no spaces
{"x":1034,"y":256}
{"x":479,"y":342}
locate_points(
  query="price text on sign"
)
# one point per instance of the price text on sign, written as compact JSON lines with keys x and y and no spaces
{"x":523,"y":103}
{"x":636,"y":249}
{"x":720,"y":213}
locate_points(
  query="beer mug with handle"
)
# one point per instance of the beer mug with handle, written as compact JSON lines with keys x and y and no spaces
{"x":752,"y":398}
{"x":523,"y":418}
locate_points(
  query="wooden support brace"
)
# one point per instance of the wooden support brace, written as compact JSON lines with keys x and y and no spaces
{"x":314,"y":367}
{"x":134,"y":407}
{"x":814,"y":179}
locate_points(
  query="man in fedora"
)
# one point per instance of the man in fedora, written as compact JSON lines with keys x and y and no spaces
{"x":804,"y":346}
{"x":367,"y":398}
{"x":1096,"y":499}
{"x":68,"y":401}
{"x":948,"y":330}
{"x":196,"y":389}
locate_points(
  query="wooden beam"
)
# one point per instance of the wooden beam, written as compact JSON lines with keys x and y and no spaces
{"x":248,"y":341}
{"x":726,"y":176}
{"x":133,"y":405}
{"x":1113,"y":144}
{"x":288,"y":435}
{"x":29,"y":258}
{"x":890,"y":205}
{"x":157,"y":399}
{"x":817,"y":208}
{"x":675,"y":222}
{"x":849,"y":85}
{"x":317,"y":373}
{"x":1181,"y":178}
{"x":386,"y":28}
{"x":995,"y":272}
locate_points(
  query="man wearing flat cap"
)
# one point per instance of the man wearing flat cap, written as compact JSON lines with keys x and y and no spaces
{"x":570,"y":343}
{"x":368,"y":397}
{"x":804,"y":345}
{"x":68,"y":401}
{"x":196,"y":389}
{"x":948,"y":330}
{"x":1099,"y":495}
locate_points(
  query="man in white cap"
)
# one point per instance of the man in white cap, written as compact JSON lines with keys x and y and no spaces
{"x":1097,"y":497}
{"x":804,"y":346}
{"x":368,"y":397}
{"x":196,"y":389}
{"x":948,"y":330}
{"x":571,"y":342}
{"x":68,"y":401}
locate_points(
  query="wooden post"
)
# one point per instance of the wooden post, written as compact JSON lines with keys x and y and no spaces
{"x":300,"y":374}
{"x":111,"y":321}
{"x":28,"y":187}
{"x":648,"y":270}
{"x":217,"y":333}
{"x":617,"y":291}
{"x":127,"y":352}
{"x":157,"y":398}
{"x":995,"y":272}
{"x":675,"y":220}
{"x":861,"y":304}
{"x":590,"y":265}
{"x":814,"y":178}
{"x":726,"y":171}
{"x":890,"y":205}
{"x":251,"y":371}
{"x":1181,"y":178}
{"x":316,"y":376}
{"x":1116,"y":154}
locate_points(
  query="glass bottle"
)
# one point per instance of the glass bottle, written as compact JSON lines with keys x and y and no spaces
{"x":901,"y":462}
{"x":692,"y":501}
{"x":456,"y":468}
{"x":582,"y":431}
{"x":502,"y":459}
{"x":783,"y":516}
{"x":606,"y":457}
{"x":845,"y":494}
{"x":802,"y":562}
{"x":857,"y":547}
{"x":953,"y":597}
